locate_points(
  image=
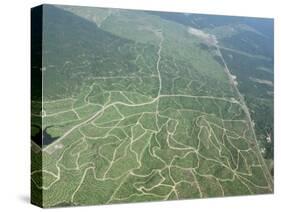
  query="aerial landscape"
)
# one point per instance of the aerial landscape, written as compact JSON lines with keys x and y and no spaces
{"x":133,"y":106}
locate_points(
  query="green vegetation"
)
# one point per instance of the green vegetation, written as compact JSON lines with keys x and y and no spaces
{"x":136,"y":107}
{"x":247,"y":45}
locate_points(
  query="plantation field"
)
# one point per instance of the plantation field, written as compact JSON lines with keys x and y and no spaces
{"x":137,"y":107}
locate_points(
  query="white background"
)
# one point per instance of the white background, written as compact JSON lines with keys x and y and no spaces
{"x":15,"y":103}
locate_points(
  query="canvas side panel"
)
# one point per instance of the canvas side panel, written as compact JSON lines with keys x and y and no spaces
{"x":36,"y":105}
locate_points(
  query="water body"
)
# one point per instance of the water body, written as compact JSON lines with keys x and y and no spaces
{"x":42,"y":138}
